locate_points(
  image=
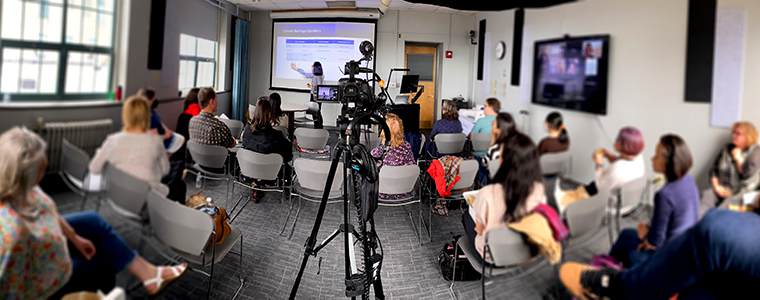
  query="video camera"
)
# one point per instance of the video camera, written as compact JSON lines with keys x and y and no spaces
{"x":358,"y":91}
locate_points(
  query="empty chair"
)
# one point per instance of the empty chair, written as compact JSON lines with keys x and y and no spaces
{"x":507,"y":249}
{"x":75,"y":174}
{"x":235,"y":126}
{"x":312,"y":109}
{"x":480,"y":142}
{"x":584,"y":217}
{"x":468,"y":170}
{"x":208,"y":161}
{"x":450,"y":143}
{"x":312,"y":139}
{"x":398,"y":180}
{"x":127,"y":195}
{"x":309,"y":184}
{"x":186,"y":232}
{"x":629,"y":196}
{"x":258,"y":166}
{"x":556,"y":164}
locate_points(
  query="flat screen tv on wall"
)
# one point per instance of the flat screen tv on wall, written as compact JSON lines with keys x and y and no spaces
{"x":571,"y":73}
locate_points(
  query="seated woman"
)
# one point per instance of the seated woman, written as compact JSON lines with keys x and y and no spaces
{"x":735,"y":171}
{"x":35,"y":260}
{"x":515,"y":191}
{"x":558,"y":140}
{"x":134,"y":150}
{"x":279,"y":118}
{"x":190,"y":109}
{"x":399,"y":153}
{"x":676,"y":205}
{"x":261,"y":137}
{"x":623,"y":168}
{"x":503,"y":127}
{"x":157,"y":127}
{"x":449,"y":123}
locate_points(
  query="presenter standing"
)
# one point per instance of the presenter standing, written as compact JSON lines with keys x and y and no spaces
{"x":317,"y":78}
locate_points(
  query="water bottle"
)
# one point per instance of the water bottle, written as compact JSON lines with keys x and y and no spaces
{"x":198,"y":182}
{"x":210,"y":207}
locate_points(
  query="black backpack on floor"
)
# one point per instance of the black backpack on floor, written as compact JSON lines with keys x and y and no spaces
{"x":464,"y":270}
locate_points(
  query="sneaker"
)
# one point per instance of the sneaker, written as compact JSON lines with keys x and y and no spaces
{"x":587,"y":282}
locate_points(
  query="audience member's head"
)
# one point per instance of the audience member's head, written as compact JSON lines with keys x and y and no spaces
{"x":275,"y":102}
{"x":207,"y":99}
{"x":23,"y":161}
{"x":449,"y":110}
{"x":519,"y":171}
{"x":149,"y":94}
{"x":629,"y":141}
{"x":554,"y":124}
{"x":135,"y":115}
{"x":191,"y":98}
{"x":397,"y":130}
{"x":503,"y":127}
{"x":492,"y":107}
{"x":743,"y":134}
{"x":261,"y":116}
{"x":316,"y":69}
{"x":672,"y":157}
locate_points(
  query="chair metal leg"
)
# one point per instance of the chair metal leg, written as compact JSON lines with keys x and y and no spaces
{"x":295,"y":220}
{"x":290,"y":210}
{"x":454,"y":271}
{"x":211,"y":275}
{"x":240,"y":271}
{"x":84,"y":200}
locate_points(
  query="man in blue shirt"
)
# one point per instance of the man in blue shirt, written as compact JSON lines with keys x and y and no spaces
{"x":157,"y":127}
{"x":491,"y":109}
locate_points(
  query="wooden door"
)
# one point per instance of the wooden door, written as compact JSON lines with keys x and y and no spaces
{"x":423,"y":60}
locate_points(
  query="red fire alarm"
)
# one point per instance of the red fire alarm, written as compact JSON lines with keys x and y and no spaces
{"x":449,"y":54}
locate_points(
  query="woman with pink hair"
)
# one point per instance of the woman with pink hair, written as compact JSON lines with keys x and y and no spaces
{"x":624,"y":166}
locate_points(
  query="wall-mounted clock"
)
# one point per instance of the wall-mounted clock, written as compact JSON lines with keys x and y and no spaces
{"x":500,"y":50}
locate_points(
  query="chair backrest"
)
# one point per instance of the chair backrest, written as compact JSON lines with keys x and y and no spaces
{"x":310,"y":138}
{"x":555,"y":163}
{"x":468,"y":169}
{"x":312,"y":174}
{"x":235,"y":126}
{"x":283,"y":129}
{"x":398,"y":179}
{"x":586,"y":215}
{"x":480,"y":141}
{"x":450,"y":143}
{"x":312,"y":108}
{"x":259,"y":166}
{"x":74,"y":160}
{"x":374,"y":140}
{"x":423,"y":140}
{"x":125,"y":191}
{"x":633,"y":191}
{"x":179,"y":227}
{"x":507,"y":247}
{"x":207,"y":155}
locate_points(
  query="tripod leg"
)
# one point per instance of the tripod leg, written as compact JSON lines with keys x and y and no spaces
{"x":320,"y":213}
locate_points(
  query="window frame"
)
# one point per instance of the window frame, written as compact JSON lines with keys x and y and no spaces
{"x":63,"y":48}
{"x":196,"y":59}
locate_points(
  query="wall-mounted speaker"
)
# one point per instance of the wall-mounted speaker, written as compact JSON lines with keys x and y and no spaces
{"x":517,"y":37}
{"x":481,"y":47}
{"x":156,"y":35}
{"x":700,"y":50}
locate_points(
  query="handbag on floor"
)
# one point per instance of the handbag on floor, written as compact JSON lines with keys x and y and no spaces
{"x":464,"y":270}
{"x":221,"y":227}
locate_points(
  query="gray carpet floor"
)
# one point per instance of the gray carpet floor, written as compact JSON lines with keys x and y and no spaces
{"x":270,"y":262}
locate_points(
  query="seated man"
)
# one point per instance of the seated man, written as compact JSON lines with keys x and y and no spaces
{"x":483,"y":125}
{"x":205,"y":129}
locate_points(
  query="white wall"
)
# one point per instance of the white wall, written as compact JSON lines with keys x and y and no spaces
{"x":450,"y":30}
{"x":646,"y":79}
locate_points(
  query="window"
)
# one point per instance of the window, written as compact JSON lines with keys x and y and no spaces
{"x":56,"y":49}
{"x":197,"y":62}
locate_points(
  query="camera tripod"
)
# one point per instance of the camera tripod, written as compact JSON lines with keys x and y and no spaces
{"x":357,"y":281}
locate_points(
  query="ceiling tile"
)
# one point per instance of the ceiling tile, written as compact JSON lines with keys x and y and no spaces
{"x":401,"y":5}
{"x":281,"y":1}
{"x":264,"y":6}
{"x":312,"y":4}
{"x":288,"y":5}
{"x":424,"y":7}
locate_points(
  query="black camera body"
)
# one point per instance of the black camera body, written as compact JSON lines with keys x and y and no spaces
{"x":357,"y":94}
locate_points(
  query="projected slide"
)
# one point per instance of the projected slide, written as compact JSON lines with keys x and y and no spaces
{"x":298,"y":45}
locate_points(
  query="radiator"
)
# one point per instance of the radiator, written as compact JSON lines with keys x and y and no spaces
{"x":87,"y":135}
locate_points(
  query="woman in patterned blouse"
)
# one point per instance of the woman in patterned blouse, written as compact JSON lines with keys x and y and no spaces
{"x":400,"y":152}
{"x":35,"y":261}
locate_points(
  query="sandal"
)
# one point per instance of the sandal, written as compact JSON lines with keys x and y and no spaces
{"x":162,"y":283}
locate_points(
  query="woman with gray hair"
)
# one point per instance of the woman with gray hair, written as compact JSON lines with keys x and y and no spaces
{"x":35,"y":257}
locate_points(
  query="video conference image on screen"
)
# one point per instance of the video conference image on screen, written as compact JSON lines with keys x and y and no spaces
{"x":571,"y":73}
